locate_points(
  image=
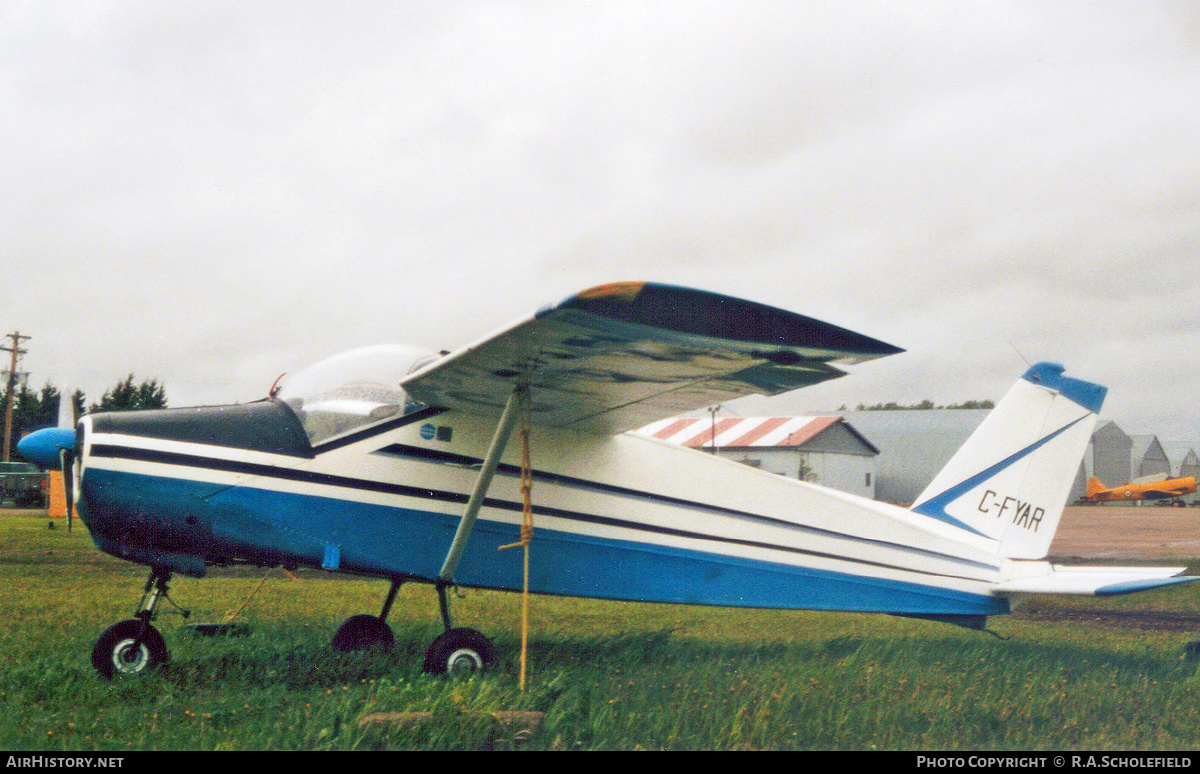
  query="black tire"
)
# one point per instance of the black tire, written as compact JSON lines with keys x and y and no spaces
{"x":363,"y":632}
{"x":459,"y":651}
{"x":115,"y":656}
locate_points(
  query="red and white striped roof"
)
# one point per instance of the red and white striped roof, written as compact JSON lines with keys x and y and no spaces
{"x":737,"y":432}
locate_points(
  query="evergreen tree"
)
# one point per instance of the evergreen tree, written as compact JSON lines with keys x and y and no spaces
{"x":126,"y":396}
{"x":29,"y":413}
{"x":79,"y":403}
{"x":46,"y":412}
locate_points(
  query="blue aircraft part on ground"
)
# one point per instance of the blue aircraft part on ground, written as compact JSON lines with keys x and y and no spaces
{"x":182,"y":490}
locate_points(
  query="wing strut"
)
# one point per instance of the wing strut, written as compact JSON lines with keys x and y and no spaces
{"x":518,"y":406}
{"x":499,"y":441}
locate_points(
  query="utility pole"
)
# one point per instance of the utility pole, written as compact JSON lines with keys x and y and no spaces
{"x":712,"y":410}
{"x":16,"y":352}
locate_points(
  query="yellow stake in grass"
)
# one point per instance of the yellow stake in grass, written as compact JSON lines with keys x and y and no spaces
{"x":526,"y":522}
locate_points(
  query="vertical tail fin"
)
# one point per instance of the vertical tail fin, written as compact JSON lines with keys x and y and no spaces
{"x":1012,"y":477}
{"x":1095,"y":486}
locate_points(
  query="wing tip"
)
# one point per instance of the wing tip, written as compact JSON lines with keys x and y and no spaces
{"x":615,"y":291}
{"x":706,"y":313}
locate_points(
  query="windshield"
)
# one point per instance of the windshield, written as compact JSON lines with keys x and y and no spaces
{"x":350,"y":391}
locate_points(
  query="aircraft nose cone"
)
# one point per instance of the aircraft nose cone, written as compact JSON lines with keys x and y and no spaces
{"x":42,"y":446}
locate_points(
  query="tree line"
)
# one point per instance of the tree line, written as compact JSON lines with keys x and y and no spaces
{"x":33,"y":410}
{"x":924,"y":405}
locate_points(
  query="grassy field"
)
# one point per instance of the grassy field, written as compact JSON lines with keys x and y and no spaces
{"x":606,"y":675}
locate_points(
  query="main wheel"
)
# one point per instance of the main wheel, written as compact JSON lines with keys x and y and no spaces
{"x":458,"y":651}
{"x":119,"y":652}
{"x":363,"y":632}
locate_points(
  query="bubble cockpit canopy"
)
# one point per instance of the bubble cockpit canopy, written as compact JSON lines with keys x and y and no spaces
{"x":353,"y":390}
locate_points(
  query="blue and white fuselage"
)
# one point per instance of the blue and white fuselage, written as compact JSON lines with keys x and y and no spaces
{"x":622,"y":517}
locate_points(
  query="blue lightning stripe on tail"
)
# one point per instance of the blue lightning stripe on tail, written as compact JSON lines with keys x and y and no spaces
{"x":936,"y":506}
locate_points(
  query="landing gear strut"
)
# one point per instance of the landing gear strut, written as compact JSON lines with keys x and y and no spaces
{"x":456,"y":650}
{"x":133,"y":646}
{"x":459,"y":649}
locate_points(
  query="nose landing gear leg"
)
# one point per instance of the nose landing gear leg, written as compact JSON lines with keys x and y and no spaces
{"x":133,"y":646}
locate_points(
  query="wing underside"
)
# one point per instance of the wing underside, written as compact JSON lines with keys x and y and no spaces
{"x":619,"y":356}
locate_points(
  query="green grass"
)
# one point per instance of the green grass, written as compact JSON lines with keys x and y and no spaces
{"x":607,"y":675}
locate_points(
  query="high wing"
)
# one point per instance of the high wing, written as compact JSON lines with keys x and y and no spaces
{"x":616,"y":357}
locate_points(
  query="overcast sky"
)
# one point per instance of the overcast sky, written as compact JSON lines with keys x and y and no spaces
{"x":213,"y":193}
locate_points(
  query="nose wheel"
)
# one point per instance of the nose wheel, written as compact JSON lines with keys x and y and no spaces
{"x":128,"y":648}
{"x":133,"y":647}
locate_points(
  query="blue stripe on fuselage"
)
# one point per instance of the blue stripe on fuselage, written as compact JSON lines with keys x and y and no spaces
{"x":444,"y":496}
{"x":437,"y":457}
{"x":380,"y":540}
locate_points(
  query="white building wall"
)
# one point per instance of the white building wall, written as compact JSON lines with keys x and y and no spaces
{"x":851,"y":473}
{"x":845,"y":472}
{"x":777,"y":461}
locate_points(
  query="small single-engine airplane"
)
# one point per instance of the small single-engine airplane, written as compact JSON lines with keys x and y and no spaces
{"x":395,"y":463}
{"x":1156,"y":488}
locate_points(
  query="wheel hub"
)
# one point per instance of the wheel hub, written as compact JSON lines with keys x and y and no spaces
{"x":129,"y":659}
{"x":464,"y":660}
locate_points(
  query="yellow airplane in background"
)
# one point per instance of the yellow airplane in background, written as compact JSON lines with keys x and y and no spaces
{"x":1162,"y":489}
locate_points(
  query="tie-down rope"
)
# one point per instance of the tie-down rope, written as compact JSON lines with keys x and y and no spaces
{"x":526,"y":521}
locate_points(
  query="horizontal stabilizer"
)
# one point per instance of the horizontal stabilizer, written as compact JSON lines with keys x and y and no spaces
{"x":1096,"y":581}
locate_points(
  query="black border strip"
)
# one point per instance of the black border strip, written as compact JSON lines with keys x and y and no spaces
{"x":329,"y":479}
{"x":360,"y":435}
